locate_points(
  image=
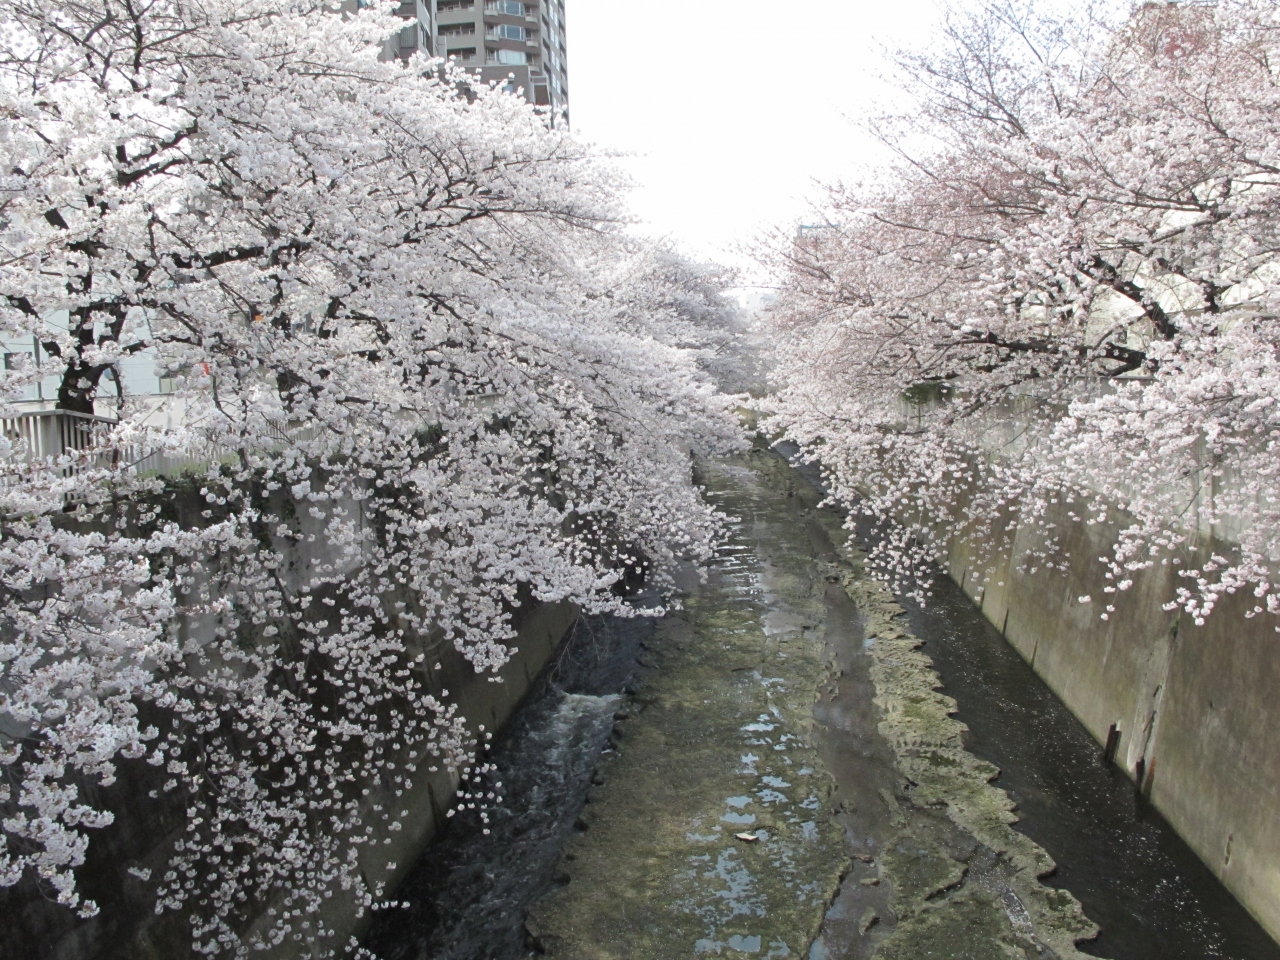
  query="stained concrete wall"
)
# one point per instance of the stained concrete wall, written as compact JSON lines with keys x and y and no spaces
{"x":1197,"y":707}
{"x":486,"y":701}
{"x":35,"y":928}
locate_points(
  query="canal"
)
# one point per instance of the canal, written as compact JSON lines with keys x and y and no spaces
{"x":773,"y":770}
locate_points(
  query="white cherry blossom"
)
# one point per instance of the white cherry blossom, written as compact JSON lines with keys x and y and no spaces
{"x":434,"y":383}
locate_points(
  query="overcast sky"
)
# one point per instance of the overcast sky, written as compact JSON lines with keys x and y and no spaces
{"x":733,"y":107}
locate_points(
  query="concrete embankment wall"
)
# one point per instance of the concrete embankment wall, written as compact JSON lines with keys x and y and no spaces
{"x":1197,"y":708}
{"x":486,"y":701}
{"x":147,"y":822}
{"x":35,"y":927}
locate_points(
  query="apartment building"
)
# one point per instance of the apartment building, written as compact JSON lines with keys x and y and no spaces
{"x":519,"y":40}
{"x":420,"y":35}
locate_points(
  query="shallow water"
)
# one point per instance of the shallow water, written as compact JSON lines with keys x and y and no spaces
{"x":468,"y":895}
{"x":713,"y":834}
{"x":1137,"y":879}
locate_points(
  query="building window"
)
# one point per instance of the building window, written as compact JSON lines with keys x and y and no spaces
{"x":464,"y":54}
{"x":510,"y":58}
{"x":444,"y":6}
{"x":507,"y":31}
{"x":457,"y":29}
{"x":512,"y":8}
{"x":409,"y":38}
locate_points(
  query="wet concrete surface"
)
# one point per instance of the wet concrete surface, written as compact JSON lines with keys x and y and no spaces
{"x":861,"y":763}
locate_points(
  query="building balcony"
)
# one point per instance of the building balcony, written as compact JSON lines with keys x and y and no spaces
{"x":510,"y":8}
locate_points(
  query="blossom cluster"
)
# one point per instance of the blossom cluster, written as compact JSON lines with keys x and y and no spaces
{"x":1061,"y":297}
{"x":434,"y":382}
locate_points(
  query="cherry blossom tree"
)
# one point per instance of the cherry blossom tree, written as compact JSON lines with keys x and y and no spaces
{"x":432,"y":379}
{"x":1064,"y":290}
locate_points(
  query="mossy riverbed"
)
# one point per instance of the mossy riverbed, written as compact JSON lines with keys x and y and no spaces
{"x":787,"y":781}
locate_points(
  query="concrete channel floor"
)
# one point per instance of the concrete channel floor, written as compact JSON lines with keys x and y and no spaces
{"x":787,"y":782}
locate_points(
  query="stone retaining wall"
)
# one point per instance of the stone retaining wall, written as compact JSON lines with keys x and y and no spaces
{"x":484,"y":701}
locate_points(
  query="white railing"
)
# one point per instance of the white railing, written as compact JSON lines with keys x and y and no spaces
{"x":50,"y":434}
{"x":54,"y":433}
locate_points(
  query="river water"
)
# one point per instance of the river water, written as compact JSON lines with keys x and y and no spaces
{"x":466,"y":899}
{"x":1137,"y":879}
{"x":469,"y":897}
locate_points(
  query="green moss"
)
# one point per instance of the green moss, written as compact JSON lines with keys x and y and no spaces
{"x":719,"y":746}
{"x":928,"y":742}
{"x":972,"y":926}
{"x":727,"y":713}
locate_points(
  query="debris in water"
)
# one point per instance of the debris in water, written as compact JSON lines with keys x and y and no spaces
{"x":869,"y":920}
{"x":747,"y":837}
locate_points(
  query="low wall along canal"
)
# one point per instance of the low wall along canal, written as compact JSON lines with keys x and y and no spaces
{"x":36,"y":928}
{"x":1189,"y":712}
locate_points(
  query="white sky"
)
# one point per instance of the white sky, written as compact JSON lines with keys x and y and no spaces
{"x":733,"y":108}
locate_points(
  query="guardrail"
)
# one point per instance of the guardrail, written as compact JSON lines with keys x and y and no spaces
{"x":51,"y":434}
